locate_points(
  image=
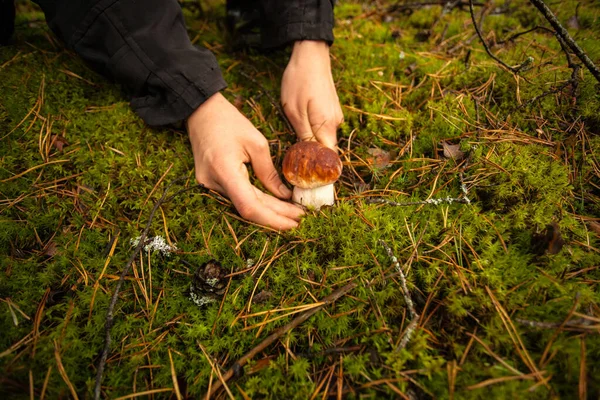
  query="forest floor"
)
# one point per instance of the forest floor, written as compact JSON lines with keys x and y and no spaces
{"x":484,"y":183}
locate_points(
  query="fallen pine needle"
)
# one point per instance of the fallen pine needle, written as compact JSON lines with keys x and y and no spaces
{"x":63,"y":373}
{"x":280,"y":332}
{"x":144,"y":393}
{"x":33,"y":169}
{"x":174,"y":377}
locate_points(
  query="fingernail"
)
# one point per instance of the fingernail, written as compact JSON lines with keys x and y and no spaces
{"x":287,"y":193}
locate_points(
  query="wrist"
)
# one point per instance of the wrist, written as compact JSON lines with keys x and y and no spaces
{"x":310,"y":49}
{"x":214,"y":104}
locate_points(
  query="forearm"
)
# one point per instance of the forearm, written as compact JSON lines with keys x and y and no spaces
{"x":145,"y":47}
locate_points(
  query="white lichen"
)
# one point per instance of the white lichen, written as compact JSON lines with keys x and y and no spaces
{"x":200,"y":300}
{"x":212,"y":282}
{"x":157,"y":243}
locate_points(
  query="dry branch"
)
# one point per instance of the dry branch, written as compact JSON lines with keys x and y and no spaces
{"x":579,"y":324}
{"x":438,"y":201}
{"x":562,"y":33}
{"x":514,"y":69}
{"x":518,"y":34}
{"x":111,"y":307}
{"x":237,"y":366}
{"x":414,"y":317}
{"x":573,"y":81}
{"x":447,"y":4}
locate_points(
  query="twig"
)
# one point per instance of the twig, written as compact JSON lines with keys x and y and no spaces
{"x":414,"y":317}
{"x":514,"y":69}
{"x":447,"y":4}
{"x":562,"y":33}
{"x":579,"y":324}
{"x":111,"y":307}
{"x":463,"y":187}
{"x":448,"y":200}
{"x":573,"y":81}
{"x":516,"y":35}
{"x":237,"y":366}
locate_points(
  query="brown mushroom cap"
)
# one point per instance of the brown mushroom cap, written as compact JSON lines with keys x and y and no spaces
{"x":310,"y":164}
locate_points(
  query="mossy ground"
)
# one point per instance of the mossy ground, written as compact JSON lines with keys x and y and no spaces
{"x":408,"y":81}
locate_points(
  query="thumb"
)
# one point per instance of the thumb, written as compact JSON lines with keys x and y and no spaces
{"x":265,"y":171}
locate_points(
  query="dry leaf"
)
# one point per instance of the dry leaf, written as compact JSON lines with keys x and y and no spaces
{"x":50,"y":249}
{"x":59,"y":142}
{"x":379,"y":158}
{"x":260,"y":364}
{"x":261,"y":297}
{"x":410,"y":69}
{"x":550,"y":241}
{"x":453,"y":151}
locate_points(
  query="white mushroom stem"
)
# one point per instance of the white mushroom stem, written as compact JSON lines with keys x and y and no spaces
{"x":314,"y":198}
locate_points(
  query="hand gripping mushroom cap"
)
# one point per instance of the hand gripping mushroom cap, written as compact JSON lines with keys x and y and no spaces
{"x":312,"y":168}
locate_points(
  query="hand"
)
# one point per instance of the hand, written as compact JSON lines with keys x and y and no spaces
{"x":308,"y":93}
{"x":223,"y":141}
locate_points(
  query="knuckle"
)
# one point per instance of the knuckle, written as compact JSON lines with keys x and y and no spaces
{"x":293,"y":117}
{"x":247,"y":211}
{"x":262,"y":144}
{"x":206,"y":181}
{"x":331,"y":122}
{"x":272,"y":176}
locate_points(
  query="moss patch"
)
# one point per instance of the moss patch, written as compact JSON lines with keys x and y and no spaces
{"x":505,"y":310}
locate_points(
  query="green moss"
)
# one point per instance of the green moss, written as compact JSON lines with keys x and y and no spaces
{"x":408,"y":82}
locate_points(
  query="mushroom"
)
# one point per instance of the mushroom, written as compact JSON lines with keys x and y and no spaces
{"x":312,"y":168}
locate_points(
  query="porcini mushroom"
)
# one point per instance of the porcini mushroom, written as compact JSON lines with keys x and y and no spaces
{"x":313,"y":169}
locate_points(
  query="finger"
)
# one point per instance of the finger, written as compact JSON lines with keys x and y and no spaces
{"x":326,"y":134}
{"x":265,"y":171}
{"x":243,"y":196}
{"x":281,"y":207}
{"x":324,"y":126}
{"x":300,"y":122}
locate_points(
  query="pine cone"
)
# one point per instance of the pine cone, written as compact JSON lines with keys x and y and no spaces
{"x":208,"y":280}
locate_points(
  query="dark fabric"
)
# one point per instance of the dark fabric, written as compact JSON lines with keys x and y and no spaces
{"x":7,"y":20}
{"x":279,"y":22}
{"x":286,"y":21}
{"x":144,"y":45}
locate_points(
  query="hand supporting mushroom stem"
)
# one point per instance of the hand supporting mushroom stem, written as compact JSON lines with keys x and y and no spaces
{"x":313,"y":169}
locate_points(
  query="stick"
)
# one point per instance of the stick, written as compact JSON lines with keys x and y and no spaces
{"x":516,"y":35}
{"x":237,"y":366}
{"x":485,"y":46}
{"x":578,"y":324}
{"x":111,"y":307}
{"x":449,"y":200}
{"x":414,"y":317}
{"x":573,"y":80}
{"x":445,"y":3}
{"x":562,"y":33}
